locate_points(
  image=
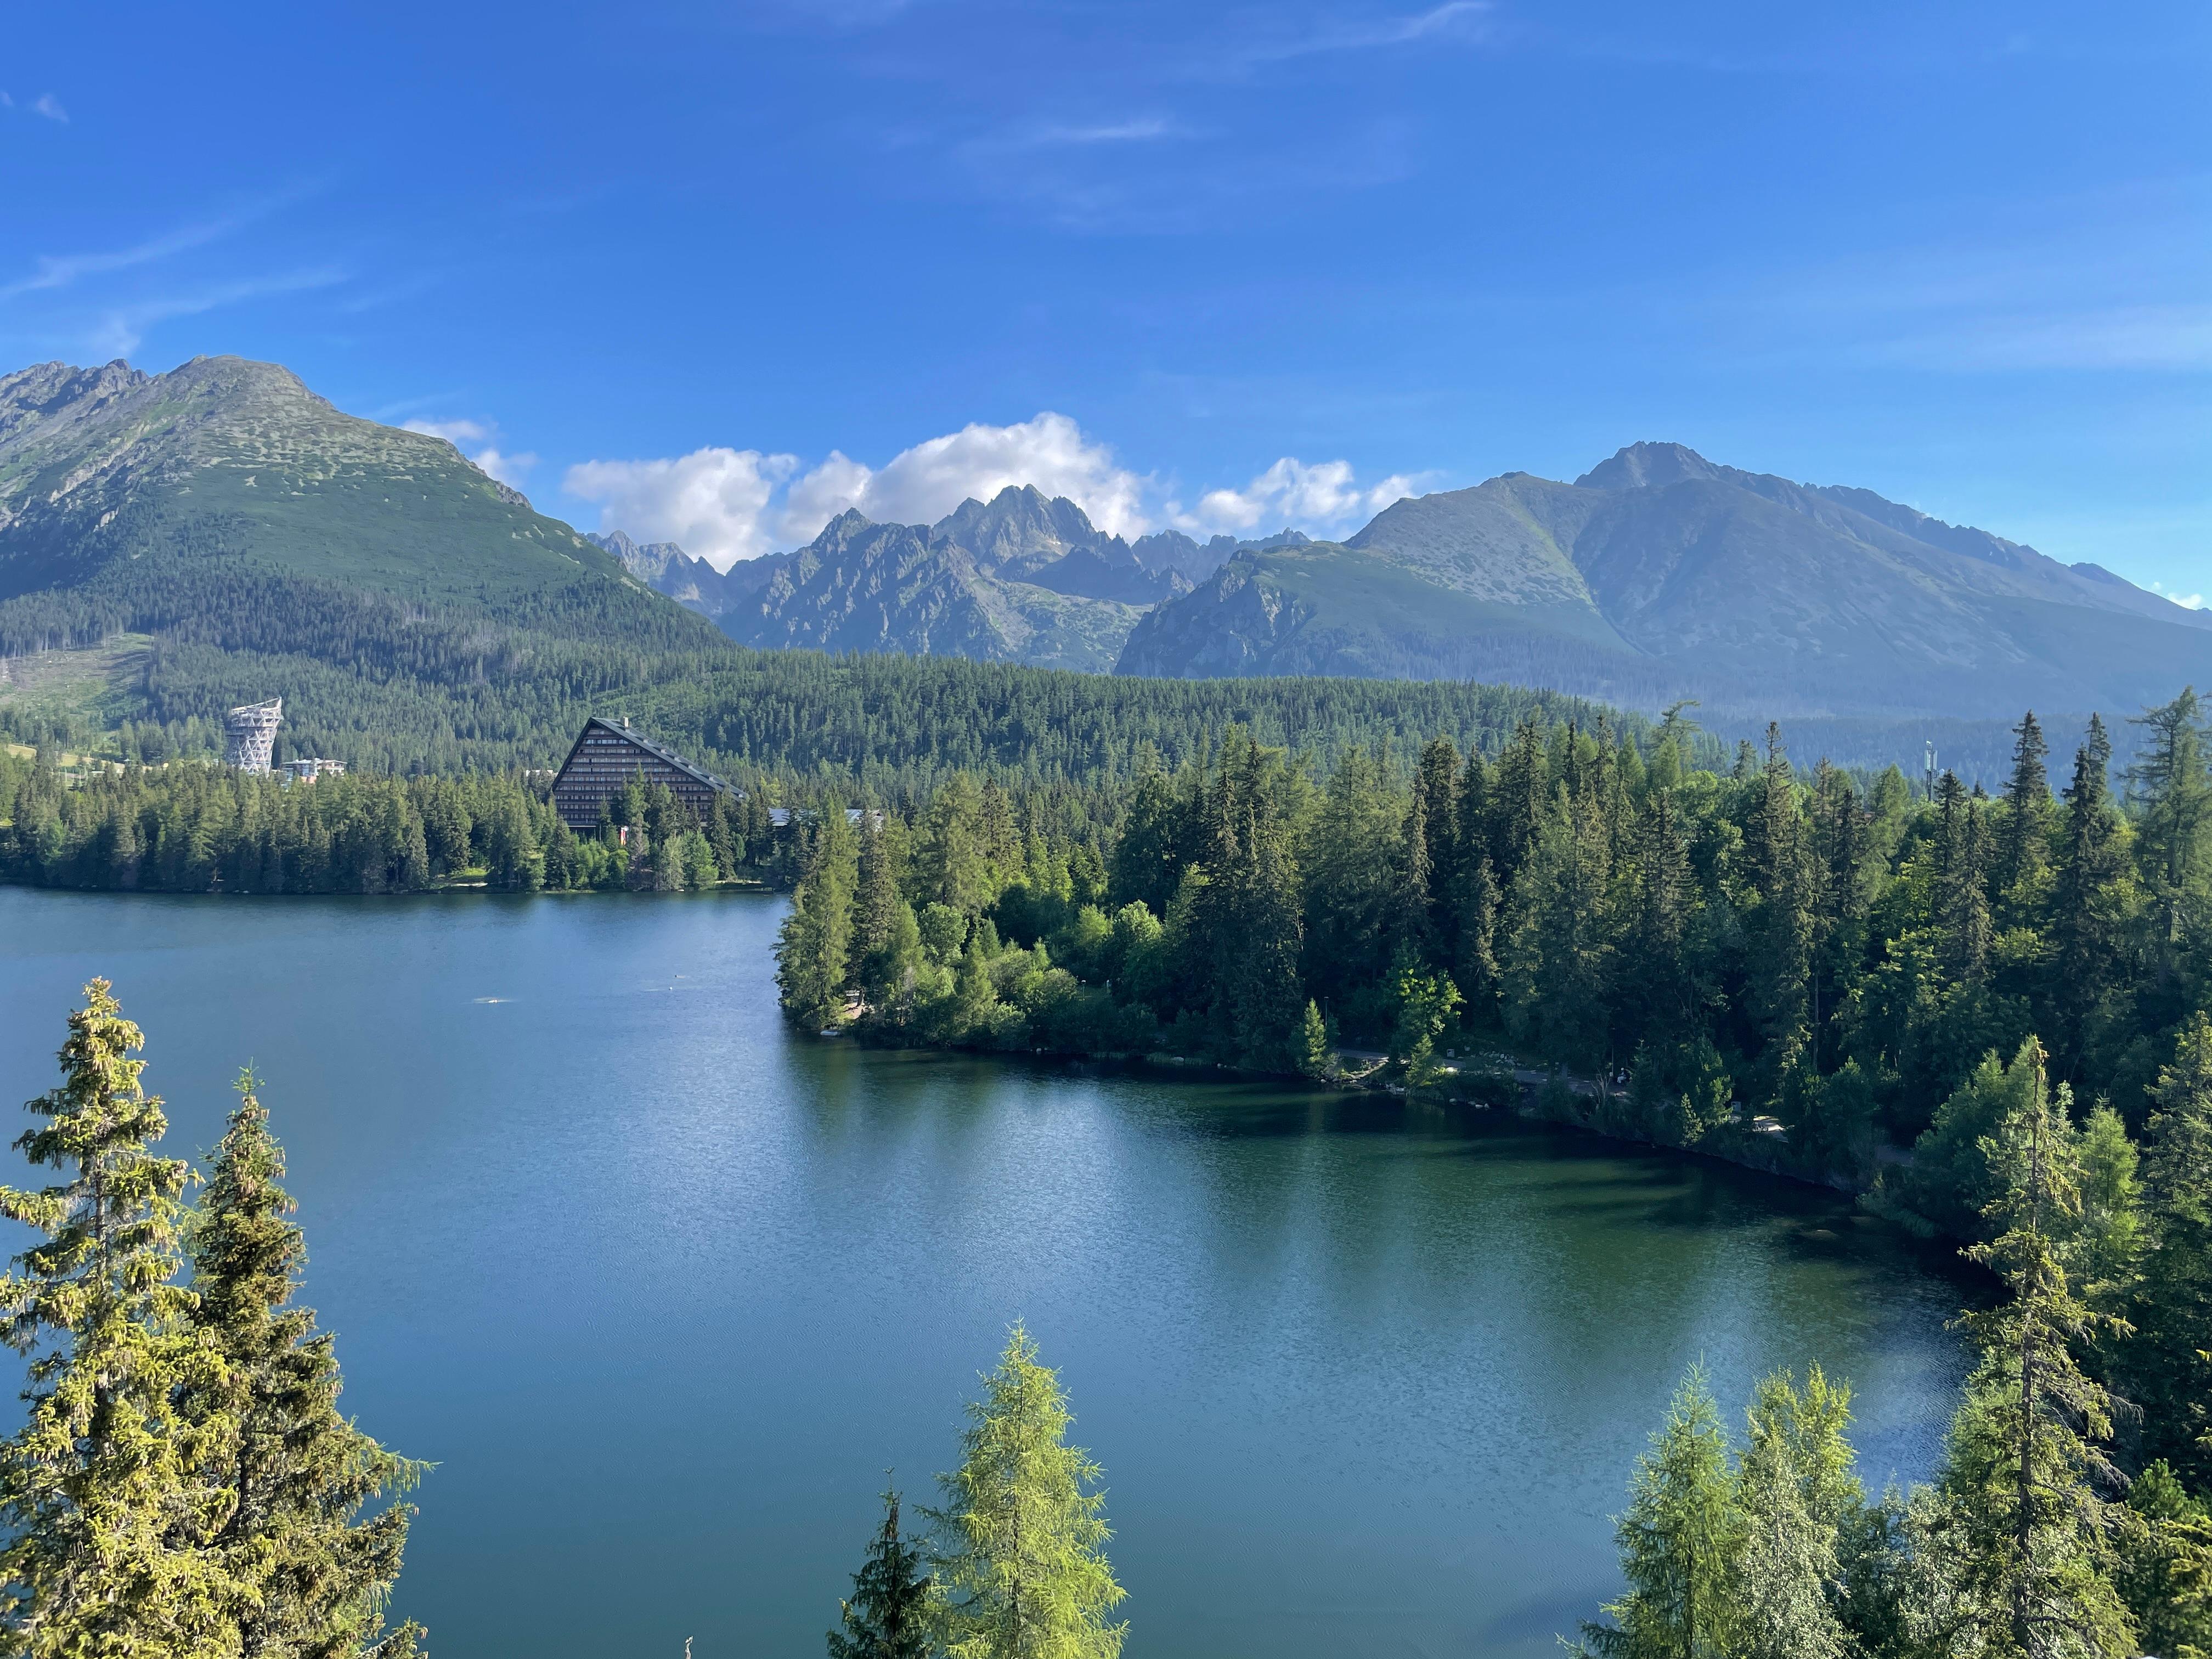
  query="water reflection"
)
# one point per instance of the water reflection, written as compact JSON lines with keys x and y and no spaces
{"x":663,"y":1290}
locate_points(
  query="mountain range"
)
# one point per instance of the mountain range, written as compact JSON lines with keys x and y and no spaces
{"x":1656,"y":575}
{"x":1659,"y":575}
{"x":250,"y":532}
{"x":1022,"y":578}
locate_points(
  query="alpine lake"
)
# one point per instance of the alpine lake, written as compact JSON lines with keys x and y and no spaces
{"x":663,"y":1288}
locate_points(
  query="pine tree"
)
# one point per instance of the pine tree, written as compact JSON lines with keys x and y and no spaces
{"x":1413,"y":929}
{"x":300,"y":1472}
{"x":1961,"y":897}
{"x":1681,"y":1541}
{"x":1023,"y":1551}
{"x":1797,"y":1495}
{"x":106,"y":1493}
{"x":2021,"y":854}
{"x":2170,"y":783}
{"x":1519,"y":787}
{"x":2168,"y":1361}
{"x":2026,"y":1456}
{"x":814,"y":950}
{"x":2089,"y":903}
{"x":2166,"y":1567}
{"x":876,"y":906}
{"x":1781,"y":925}
{"x":1317,"y":1052}
{"x":894,"y":1609}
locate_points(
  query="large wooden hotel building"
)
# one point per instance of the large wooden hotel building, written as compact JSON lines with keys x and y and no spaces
{"x":607,"y":756}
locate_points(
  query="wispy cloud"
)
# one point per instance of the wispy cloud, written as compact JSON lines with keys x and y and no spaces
{"x":1458,"y":19}
{"x":47,"y":105}
{"x":120,"y":329}
{"x":1110,"y":132}
{"x":56,"y":272}
{"x":63,"y":270}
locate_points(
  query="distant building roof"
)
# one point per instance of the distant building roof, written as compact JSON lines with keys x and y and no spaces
{"x":658,"y":751}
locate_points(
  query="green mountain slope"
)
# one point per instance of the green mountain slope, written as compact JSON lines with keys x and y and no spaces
{"x":407,"y":607}
{"x":1659,"y":575}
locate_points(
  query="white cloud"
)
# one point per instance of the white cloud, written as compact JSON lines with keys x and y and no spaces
{"x":455,"y":433}
{"x":724,"y":505}
{"x":713,"y":503}
{"x":1462,"y":19}
{"x":920,"y":485}
{"x":50,"y":106}
{"x":2186,"y":601}
{"x":509,"y":470}
{"x":1292,"y":492}
{"x":490,"y":460}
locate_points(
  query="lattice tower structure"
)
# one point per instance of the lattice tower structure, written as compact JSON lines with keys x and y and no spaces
{"x":607,"y":756}
{"x":250,"y":734}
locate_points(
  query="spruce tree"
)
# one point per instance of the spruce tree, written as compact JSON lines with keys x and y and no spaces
{"x":2026,"y":1468}
{"x":111,"y":1491}
{"x":1681,"y":1543}
{"x":1317,"y":1052}
{"x":301,"y":1473}
{"x":2174,"y":795}
{"x":814,"y":950}
{"x":2166,"y":1567}
{"x":893,"y":1612}
{"x":1781,"y":925}
{"x":2090,"y":902}
{"x":2021,"y":853}
{"x":1023,"y":1532}
{"x":1797,"y":1495}
{"x":2168,"y":1361}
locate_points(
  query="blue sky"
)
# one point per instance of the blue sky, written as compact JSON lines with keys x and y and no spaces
{"x":713,"y":271}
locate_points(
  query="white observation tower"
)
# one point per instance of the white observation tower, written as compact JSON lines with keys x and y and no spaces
{"x":250,"y":732}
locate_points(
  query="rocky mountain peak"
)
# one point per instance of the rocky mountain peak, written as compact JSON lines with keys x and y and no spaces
{"x":1644,"y":465}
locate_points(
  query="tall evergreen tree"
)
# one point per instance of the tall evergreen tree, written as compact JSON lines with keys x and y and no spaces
{"x":1023,"y":1552}
{"x":300,"y":1472}
{"x":814,"y":950}
{"x":1808,"y":1529}
{"x":2168,"y":1361}
{"x":1779,"y":968}
{"x":2166,"y":1569}
{"x":2174,"y":792}
{"x":110,"y":1492}
{"x":2026,"y":1459}
{"x":1961,"y":897}
{"x":2021,"y":853}
{"x":893,"y":1613}
{"x":1681,"y":1543}
{"x":2090,"y":902}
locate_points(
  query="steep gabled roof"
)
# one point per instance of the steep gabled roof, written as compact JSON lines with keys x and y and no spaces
{"x":629,"y":733}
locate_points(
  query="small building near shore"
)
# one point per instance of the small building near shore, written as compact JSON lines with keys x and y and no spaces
{"x":307,"y":771}
{"x":607,"y":755}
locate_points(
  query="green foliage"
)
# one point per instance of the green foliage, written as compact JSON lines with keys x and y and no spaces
{"x":318,"y":1569}
{"x":1681,"y":1541}
{"x":184,"y":1484}
{"x":1023,"y":1553}
{"x":895,"y":1608}
{"x":814,"y":952}
{"x":2165,"y":1364}
{"x":110,"y":1491}
{"x":2026,"y":1464}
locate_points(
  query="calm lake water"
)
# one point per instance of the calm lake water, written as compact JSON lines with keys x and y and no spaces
{"x":663,"y":1290}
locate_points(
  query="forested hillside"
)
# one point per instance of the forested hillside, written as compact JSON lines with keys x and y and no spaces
{"x":411,"y":611}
